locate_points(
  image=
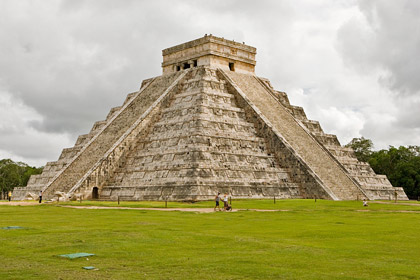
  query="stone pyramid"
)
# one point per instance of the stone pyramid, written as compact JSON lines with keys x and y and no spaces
{"x":208,"y":125}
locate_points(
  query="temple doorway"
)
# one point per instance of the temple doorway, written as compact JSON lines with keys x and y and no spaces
{"x":95,"y":193}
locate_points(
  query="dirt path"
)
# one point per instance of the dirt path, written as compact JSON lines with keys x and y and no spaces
{"x":19,"y":203}
{"x":391,"y":211}
{"x":199,"y":210}
{"x":393,"y":203}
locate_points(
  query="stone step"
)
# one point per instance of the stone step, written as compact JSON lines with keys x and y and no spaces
{"x":112,"y":112}
{"x":202,"y":102}
{"x":203,"y":117}
{"x":212,"y":93}
{"x":200,"y":137}
{"x":327,"y":139}
{"x":241,"y":132}
{"x":313,"y":126}
{"x":298,"y":112}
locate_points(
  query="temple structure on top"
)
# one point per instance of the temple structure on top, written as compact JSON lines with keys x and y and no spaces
{"x":210,"y":51}
{"x":208,"y":125}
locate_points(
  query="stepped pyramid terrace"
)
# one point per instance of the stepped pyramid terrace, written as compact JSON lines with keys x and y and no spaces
{"x":208,"y":125}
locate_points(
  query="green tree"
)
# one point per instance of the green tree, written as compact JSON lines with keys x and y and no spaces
{"x":14,"y":174}
{"x":402,"y":167}
{"x":362,"y":148}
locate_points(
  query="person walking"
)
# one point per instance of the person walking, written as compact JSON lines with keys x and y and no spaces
{"x":40,"y":196}
{"x":9,"y":196}
{"x":217,"y":199}
{"x":225,"y":201}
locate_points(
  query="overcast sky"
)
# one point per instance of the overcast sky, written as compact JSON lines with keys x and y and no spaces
{"x":353,"y":65}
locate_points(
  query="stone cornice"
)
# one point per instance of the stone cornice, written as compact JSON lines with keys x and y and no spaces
{"x":209,"y":39}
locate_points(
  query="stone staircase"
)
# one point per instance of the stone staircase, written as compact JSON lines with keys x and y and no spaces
{"x":202,"y":143}
{"x":63,"y":174}
{"x":375,"y":186}
{"x":38,"y":182}
{"x":332,"y":175}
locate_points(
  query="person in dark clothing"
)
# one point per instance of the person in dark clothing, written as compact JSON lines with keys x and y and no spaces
{"x":217,"y":199}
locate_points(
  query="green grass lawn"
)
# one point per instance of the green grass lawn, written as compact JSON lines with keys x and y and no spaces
{"x":322,"y":240}
{"x":268,"y":204}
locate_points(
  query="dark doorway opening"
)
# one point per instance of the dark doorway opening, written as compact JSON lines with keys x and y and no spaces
{"x":186,"y":65}
{"x":178,"y":68}
{"x":95,"y":193}
{"x":195,"y":63}
{"x":231,"y":66}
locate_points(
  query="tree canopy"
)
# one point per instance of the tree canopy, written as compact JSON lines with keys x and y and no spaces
{"x":401,"y":165}
{"x":362,"y":148}
{"x":15,"y":174}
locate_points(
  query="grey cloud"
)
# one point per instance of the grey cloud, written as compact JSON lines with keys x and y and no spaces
{"x":384,"y":42}
{"x":74,"y":60}
{"x":409,"y":115}
{"x":388,"y":39}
